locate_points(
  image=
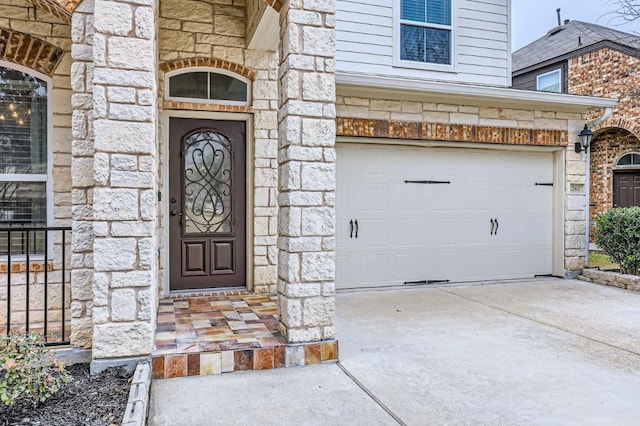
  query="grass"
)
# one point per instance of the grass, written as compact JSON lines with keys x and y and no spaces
{"x":598,"y":259}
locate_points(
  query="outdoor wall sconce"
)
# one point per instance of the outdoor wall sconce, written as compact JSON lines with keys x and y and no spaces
{"x":585,"y":139}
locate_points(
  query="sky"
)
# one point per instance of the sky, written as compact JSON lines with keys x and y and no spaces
{"x":531,"y":19}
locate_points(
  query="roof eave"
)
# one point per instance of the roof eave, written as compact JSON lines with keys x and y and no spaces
{"x":438,"y":91}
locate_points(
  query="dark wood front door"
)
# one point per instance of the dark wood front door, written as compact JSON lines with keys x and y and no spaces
{"x":206,"y":203}
{"x":626,"y":189}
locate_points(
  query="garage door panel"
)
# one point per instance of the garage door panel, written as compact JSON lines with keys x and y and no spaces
{"x":414,"y":232}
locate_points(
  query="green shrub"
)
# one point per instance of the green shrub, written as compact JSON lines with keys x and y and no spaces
{"x":618,"y":235}
{"x":29,"y":373}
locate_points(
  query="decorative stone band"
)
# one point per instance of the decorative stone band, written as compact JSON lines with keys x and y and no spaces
{"x":364,"y":127}
{"x":31,"y":52}
{"x":206,"y":107}
{"x":17,"y":267}
{"x":208,"y":62}
{"x":59,"y":8}
{"x":623,"y":123}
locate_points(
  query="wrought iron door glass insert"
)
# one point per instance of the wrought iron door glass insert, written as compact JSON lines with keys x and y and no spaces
{"x":207,"y":183}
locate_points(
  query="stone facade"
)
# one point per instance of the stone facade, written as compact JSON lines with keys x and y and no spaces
{"x":609,"y":73}
{"x":125,"y":161}
{"x":110,"y":151}
{"x":42,"y":42}
{"x":306,"y":157}
{"x":82,"y":177}
{"x":189,"y":34}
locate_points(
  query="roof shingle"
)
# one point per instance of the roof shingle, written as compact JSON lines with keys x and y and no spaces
{"x":574,"y":35}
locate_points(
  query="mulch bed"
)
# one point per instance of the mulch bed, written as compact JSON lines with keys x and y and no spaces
{"x":86,"y":400}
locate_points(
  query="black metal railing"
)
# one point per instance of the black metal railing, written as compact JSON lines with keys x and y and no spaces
{"x":30,"y":246}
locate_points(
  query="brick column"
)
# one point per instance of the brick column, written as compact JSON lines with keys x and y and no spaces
{"x":125,"y":174}
{"x":82,"y":175}
{"x":306,"y":160}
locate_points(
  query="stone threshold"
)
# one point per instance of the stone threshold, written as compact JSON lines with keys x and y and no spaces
{"x":170,"y":366}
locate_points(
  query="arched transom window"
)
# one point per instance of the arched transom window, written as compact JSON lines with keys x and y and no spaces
{"x":629,"y":160}
{"x":209,"y":86}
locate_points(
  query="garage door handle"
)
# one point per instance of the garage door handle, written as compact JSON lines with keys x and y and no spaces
{"x":356,"y":223}
{"x":497,"y":226}
{"x":493,"y":225}
{"x":351,"y":228}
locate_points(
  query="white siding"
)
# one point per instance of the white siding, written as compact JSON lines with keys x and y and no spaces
{"x":365,"y":36}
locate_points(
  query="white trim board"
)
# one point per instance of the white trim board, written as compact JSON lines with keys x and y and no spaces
{"x":437,"y":91}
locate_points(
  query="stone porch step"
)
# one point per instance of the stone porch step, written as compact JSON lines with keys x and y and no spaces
{"x":226,"y":332}
{"x":206,"y":363}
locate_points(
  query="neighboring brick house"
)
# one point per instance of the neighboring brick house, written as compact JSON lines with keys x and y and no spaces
{"x":218,"y":147}
{"x":588,"y":59}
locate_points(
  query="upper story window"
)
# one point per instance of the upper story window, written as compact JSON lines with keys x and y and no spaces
{"x":208,"y":86}
{"x":426,"y":33}
{"x":24,"y":177}
{"x":550,"y":81}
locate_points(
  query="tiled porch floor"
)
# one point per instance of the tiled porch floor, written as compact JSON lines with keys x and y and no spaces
{"x":222,"y":333}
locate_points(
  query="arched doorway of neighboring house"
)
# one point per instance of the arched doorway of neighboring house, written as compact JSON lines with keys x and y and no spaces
{"x":609,"y":172}
{"x":626,"y":181}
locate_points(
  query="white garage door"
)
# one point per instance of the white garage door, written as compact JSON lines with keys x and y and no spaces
{"x":408,"y":215}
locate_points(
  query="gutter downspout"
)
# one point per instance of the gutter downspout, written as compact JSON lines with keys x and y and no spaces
{"x":587,"y":181}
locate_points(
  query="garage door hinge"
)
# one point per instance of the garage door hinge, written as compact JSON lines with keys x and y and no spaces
{"x":544,"y":184}
{"x":425,"y":282}
{"x":429,"y":182}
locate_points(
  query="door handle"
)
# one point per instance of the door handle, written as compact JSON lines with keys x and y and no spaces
{"x":493,"y":225}
{"x":351,"y":228}
{"x":173,"y":212}
{"x":356,"y":223}
{"x":497,"y":226}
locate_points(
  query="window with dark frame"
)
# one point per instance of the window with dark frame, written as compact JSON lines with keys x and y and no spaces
{"x":23,"y":159}
{"x":208,"y":86}
{"x":632,"y":159}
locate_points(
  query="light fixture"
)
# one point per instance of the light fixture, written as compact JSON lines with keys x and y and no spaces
{"x":585,"y":139}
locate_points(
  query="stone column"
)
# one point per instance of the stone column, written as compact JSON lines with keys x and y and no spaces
{"x":124,"y":172}
{"x":576,"y":209}
{"x":306,"y":160}
{"x":82,"y":175}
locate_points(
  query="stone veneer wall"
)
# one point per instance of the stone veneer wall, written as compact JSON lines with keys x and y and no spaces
{"x":125,"y":248}
{"x":612,"y":74}
{"x":473,"y":123}
{"x":307,"y":183}
{"x":82,"y":152}
{"x":21,"y":16}
{"x":216,"y":29}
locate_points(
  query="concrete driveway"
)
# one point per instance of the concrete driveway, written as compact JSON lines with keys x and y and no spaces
{"x":543,"y":352}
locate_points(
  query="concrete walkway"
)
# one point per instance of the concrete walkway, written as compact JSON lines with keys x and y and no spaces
{"x":543,"y":352}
